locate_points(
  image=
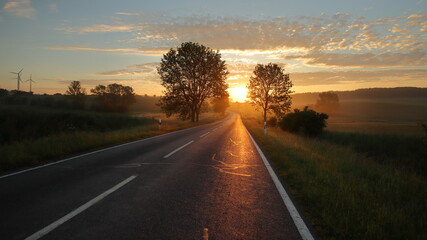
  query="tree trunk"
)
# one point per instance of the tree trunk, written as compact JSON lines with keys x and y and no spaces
{"x":193,"y":115}
{"x":265,"y":115}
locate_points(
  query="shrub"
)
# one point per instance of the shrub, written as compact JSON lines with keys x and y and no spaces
{"x":308,"y":122}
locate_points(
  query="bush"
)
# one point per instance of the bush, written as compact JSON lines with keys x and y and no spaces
{"x":308,"y":122}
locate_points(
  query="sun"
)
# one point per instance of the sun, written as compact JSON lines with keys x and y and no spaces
{"x":238,"y":94}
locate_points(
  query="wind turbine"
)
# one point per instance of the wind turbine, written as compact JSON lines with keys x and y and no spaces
{"x":31,"y":81}
{"x":18,"y":77}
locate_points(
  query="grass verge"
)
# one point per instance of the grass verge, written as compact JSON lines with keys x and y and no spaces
{"x":345,"y":193}
{"x":50,"y":147}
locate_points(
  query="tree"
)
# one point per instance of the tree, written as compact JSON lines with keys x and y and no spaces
{"x":115,"y":97}
{"x":75,"y":89}
{"x":221,"y":104}
{"x":3,"y":92}
{"x":270,"y":89}
{"x":76,"y":94}
{"x":307,"y":122}
{"x":191,"y":74}
{"x":328,"y":102}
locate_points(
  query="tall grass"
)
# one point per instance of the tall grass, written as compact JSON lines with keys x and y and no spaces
{"x":346,"y":193}
{"x":399,"y":151}
{"x":19,"y":123}
{"x":90,"y":130}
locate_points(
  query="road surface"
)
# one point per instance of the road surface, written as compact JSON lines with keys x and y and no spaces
{"x":207,"y":182}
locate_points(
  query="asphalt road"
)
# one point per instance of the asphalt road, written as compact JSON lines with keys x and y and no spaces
{"x":207,"y":182}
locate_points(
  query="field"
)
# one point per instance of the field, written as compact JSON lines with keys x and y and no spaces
{"x":30,"y":135}
{"x":364,"y":178}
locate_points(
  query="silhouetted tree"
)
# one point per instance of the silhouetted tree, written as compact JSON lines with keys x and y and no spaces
{"x":191,"y":74}
{"x":115,"y":97}
{"x":308,"y":122}
{"x":75,"y":89}
{"x":77,"y":94}
{"x":221,"y":104}
{"x":270,"y":89}
{"x":3,"y":92}
{"x":328,"y":102}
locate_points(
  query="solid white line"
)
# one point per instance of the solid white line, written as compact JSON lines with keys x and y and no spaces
{"x":176,"y":150}
{"x":204,"y":134}
{"x":80,"y":209}
{"x":299,"y":222}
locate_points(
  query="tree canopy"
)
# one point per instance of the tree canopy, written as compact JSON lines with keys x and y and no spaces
{"x":76,"y":94}
{"x":191,"y":74}
{"x":75,"y":89}
{"x":328,"y":102}
{"x":115,"y":97}
{"x":269,"y":88}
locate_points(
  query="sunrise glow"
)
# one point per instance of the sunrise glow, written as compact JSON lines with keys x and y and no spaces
{"x":238,"y":94}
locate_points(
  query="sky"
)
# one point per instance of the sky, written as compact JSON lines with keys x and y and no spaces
{"x":323,"y":45}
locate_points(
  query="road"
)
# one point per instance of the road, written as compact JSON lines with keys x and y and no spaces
{"x":207,"y":182}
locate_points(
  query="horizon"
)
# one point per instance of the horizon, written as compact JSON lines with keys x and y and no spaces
{"x":336,"y":46}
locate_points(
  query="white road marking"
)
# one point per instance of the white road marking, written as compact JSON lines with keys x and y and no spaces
{"x":205,"y":234}
{"x":176,"y":150}
{"x":80,"y":209}
{"x":97,"y":151}
{"x":204,"y":134}
{"x":299,"y":222}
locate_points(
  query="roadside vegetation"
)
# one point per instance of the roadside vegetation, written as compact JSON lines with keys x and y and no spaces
{"x":345,"y":193}
{"x":30,"y":136}
{"x":363,"y":177}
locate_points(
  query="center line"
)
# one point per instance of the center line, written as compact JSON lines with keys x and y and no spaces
{"x":80,"y":209}
{"x":204,"y":134}
{"x":176,"y":150}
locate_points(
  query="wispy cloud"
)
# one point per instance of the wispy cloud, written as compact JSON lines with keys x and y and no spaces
{"x":364,"y":60}
{"x":20,"y":8}
{"x":137,"y":70}
{"x":339,"y":31}
{"x":133,"y":51}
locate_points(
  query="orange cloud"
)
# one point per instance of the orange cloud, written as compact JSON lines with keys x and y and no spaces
{"x":20,"y":8}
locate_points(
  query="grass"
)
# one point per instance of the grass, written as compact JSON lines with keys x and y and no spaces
{"x":345,"y":185}
{"x":90,"y":131}
{"x":18,"y":123}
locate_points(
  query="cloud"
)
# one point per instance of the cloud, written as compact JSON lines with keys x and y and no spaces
{"x":137,"y":69}
{"x":416,"y":16}
{"x":20,"y":8}
{"x":133,"y":51}
{"x":340,"y":31}
{"x":365,"y":60}
{"x":342,"y":77}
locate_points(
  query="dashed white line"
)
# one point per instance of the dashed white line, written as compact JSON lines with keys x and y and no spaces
{"x":298,"y":221}
{"x":80,"y":209}
{"x":201,"y":136}
{"x":176,"y":150}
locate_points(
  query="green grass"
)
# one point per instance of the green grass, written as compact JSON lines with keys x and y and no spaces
{"x":90,"y":131}
{"x":345,"y":186}
{"x":18,"y":123}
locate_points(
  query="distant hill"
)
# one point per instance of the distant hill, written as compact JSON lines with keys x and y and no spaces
{"x":366,"y":94}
